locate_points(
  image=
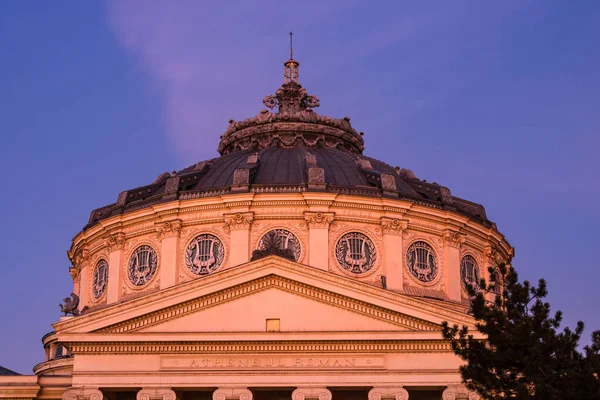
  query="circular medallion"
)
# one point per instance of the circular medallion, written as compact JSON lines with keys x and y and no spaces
{"x":421,"y":261}
{"x":282,"y":239}
{"x":355,"y":252}
{"x":142,"y":265}
{"x":469,"y":271}
{"x":204,"y":254}
{"x":100,"y":279}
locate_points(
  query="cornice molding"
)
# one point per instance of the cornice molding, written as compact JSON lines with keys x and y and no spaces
{"x":263,"y":347}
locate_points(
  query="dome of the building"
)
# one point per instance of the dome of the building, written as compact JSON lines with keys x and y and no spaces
{"x":292,"y":149}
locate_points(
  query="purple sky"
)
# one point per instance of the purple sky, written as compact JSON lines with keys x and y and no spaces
{"x":496,"y":100}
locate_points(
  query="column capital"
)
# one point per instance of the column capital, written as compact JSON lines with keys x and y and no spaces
{"x":156,"y":394}
{"x":459,"y":392}
{"x":393,"y":226}
{"x":237,"y":221}
{"x":385,"y":393}
{"x":115,"y":241}
{"x":168,"y":229}
{"x":310,"y":392}
{"x":318,"y":219}
{"x":453,"y":238}
{"x":232,"y":394}
{"x":81,"y":393}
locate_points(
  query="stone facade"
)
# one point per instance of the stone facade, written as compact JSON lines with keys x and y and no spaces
{"x":171,"y":306}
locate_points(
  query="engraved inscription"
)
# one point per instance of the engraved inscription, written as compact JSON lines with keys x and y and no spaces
{"x":270,"y":362}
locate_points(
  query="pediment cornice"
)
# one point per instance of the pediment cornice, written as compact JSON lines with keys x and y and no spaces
{"x":270,"y":272}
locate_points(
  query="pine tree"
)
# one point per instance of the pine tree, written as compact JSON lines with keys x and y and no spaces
{"x":525,"y":356}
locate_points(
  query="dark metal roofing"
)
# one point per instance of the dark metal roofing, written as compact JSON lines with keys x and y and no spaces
{"x":7,"y":372}
{"x":286,"y":169}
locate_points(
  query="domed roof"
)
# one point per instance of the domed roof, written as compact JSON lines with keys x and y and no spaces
{"x":290,"y":149}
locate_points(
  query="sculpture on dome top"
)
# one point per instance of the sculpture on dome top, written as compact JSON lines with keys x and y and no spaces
{"x":289,"y":118}
{"x":291,"y":97}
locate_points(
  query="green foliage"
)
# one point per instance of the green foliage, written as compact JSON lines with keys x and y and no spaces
{"x":525,"y":355}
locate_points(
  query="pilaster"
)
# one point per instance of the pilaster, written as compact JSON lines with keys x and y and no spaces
{"x":392,"y":230}
{"x":81,"y":276}
{"x":311,"y":393}
{"x":232,"y":393}
{"x":452,"y":281}
{"x":81,"y":393}
{"x":115,"y":243}
{"x":318,"y":237}
{"x":237,"y":225}
{"x":388,"y":393}
{"x":168,"y":233}
{"x":155,"y":394}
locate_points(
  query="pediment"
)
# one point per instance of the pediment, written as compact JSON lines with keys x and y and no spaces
{"x":299,"y":308}
{"x":240,"y":299}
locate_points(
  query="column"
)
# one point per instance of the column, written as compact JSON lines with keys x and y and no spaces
{"x":156,"y":394}
{"x":168,"y":233}
{"x":232,"y":393}
{"x":459,"y":392}
{"x":388,"y":393}
{"x":318,"y":238}
{"x":393,"y":257}
{"x":311,"y":393}
{"x":115,"y":243}
{"x":452,"y":280}
{"x":81,"y":393}
{"x":237,"y":225}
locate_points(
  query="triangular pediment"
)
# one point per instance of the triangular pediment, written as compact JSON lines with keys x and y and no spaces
{"x":241,"y":299}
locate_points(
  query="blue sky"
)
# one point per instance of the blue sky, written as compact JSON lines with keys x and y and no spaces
{"x":496,"y":100}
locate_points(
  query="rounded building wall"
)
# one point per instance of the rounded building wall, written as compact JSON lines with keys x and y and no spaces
{"x":400,"y":245}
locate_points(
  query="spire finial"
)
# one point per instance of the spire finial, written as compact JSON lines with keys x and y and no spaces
{"x":291,"y":67}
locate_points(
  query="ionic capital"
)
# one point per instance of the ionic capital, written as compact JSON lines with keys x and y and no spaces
{"x":237,"y":221}
{"x":232,"y":394}
{"x":458,"y":392}
{"x":311,"y":393}
{"x":115,"y":241}
{"x":318,"y":219}
{"x":75,"y":393}
{"x":168,"y":229}
{"x":388,"y":393}
{"x":393,"y":226}
{"x":155,"y":394}
{"x":453,"y":238}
